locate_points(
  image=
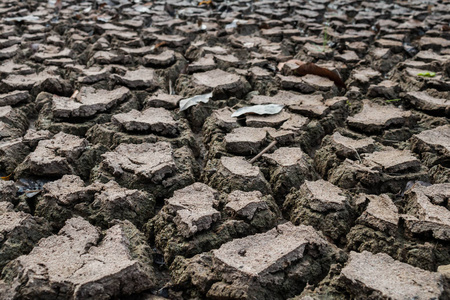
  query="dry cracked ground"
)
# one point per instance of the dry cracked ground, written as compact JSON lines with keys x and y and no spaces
{"x":111,"y":191}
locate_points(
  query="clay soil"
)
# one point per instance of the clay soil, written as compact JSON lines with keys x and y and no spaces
{"x":110,"y":191}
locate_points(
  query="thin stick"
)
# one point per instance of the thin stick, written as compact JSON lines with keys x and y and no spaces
{"x":262,"y":152}
{"x":170,"y":88}
{"x":357,"y":155}
{"x":75,"y":96}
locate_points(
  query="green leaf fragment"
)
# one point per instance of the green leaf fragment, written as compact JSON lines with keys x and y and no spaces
{"x":427,"y":74}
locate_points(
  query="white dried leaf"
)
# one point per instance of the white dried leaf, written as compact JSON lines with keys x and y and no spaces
{"x":186,"y":103}
{"x":266,"y":109}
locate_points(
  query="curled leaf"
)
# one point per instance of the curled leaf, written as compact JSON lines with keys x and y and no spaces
{"x":266,"y":109}
{"x":186,"y":103}
{"x":6,"y":178}
{"x":312,"y":68}
{"x":426,"y":74}
{"x":205,"y":2}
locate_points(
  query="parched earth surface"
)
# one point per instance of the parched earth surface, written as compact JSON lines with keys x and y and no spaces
{"x":111,"y":191}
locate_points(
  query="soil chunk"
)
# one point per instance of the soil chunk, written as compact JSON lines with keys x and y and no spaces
{"x":19,"y":232}
{"x":54,"y":157}
{"x":157,"y":120}
{"x":88,"y":103}
{"x":245,"y":140}
{"x":117,"y":263}
{"x":375,"y":118}
{"x":250,"y":267}
{"x":381,"y":275}
{"x":235,"y":173}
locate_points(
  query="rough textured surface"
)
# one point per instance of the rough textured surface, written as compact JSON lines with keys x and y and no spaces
{"x":99,"y":203}
{"x":157,"y":120}
{"x":323,"y":206}
{"x":380,"y":214}
{"x":83,"y":264}
{"x":88,"y":102}
{"x":19,"y":233}
{"x":380,"y":276}
{"x":235,"y":173}
{"x":433,"y":145}
{"x":423,"y":216}
{"x":374,"y":118}
{"x":91,"y":127}
{"x":150,"y":161}
{"x":193,"y":207}
{"x":253,"y":267}
{"x":55,"y":157}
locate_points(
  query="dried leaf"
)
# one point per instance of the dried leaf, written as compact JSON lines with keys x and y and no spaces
{"x":6,"y":178}
{"x":158,"y":45}
{"x":312,"y":68}
{"x":426,"y":74}
{"x":205,"y":2}
{"x":30,"y":187}
{"x":266,"y":109}
{"x":21,"y":19}
{"x":186,"y":103}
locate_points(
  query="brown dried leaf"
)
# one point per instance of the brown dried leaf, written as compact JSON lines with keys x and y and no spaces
{"x":6,"y":178}
{"x":312,"y":68}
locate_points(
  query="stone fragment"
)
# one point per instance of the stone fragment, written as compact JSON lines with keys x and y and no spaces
{"x":375,"y":118}
{"x":380,"y":214}
{"x":155,"y":120}
{"x":193,"y":208}
{"x":88,"y":103}
{"x":381,"y":275}
{"x":83,"y":264}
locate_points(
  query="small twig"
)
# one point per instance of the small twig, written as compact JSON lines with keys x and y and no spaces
{"x":75,"y":96}
{"x":262,"y":152}
{"x":170,"y":88}
{"x":357,"y":154}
